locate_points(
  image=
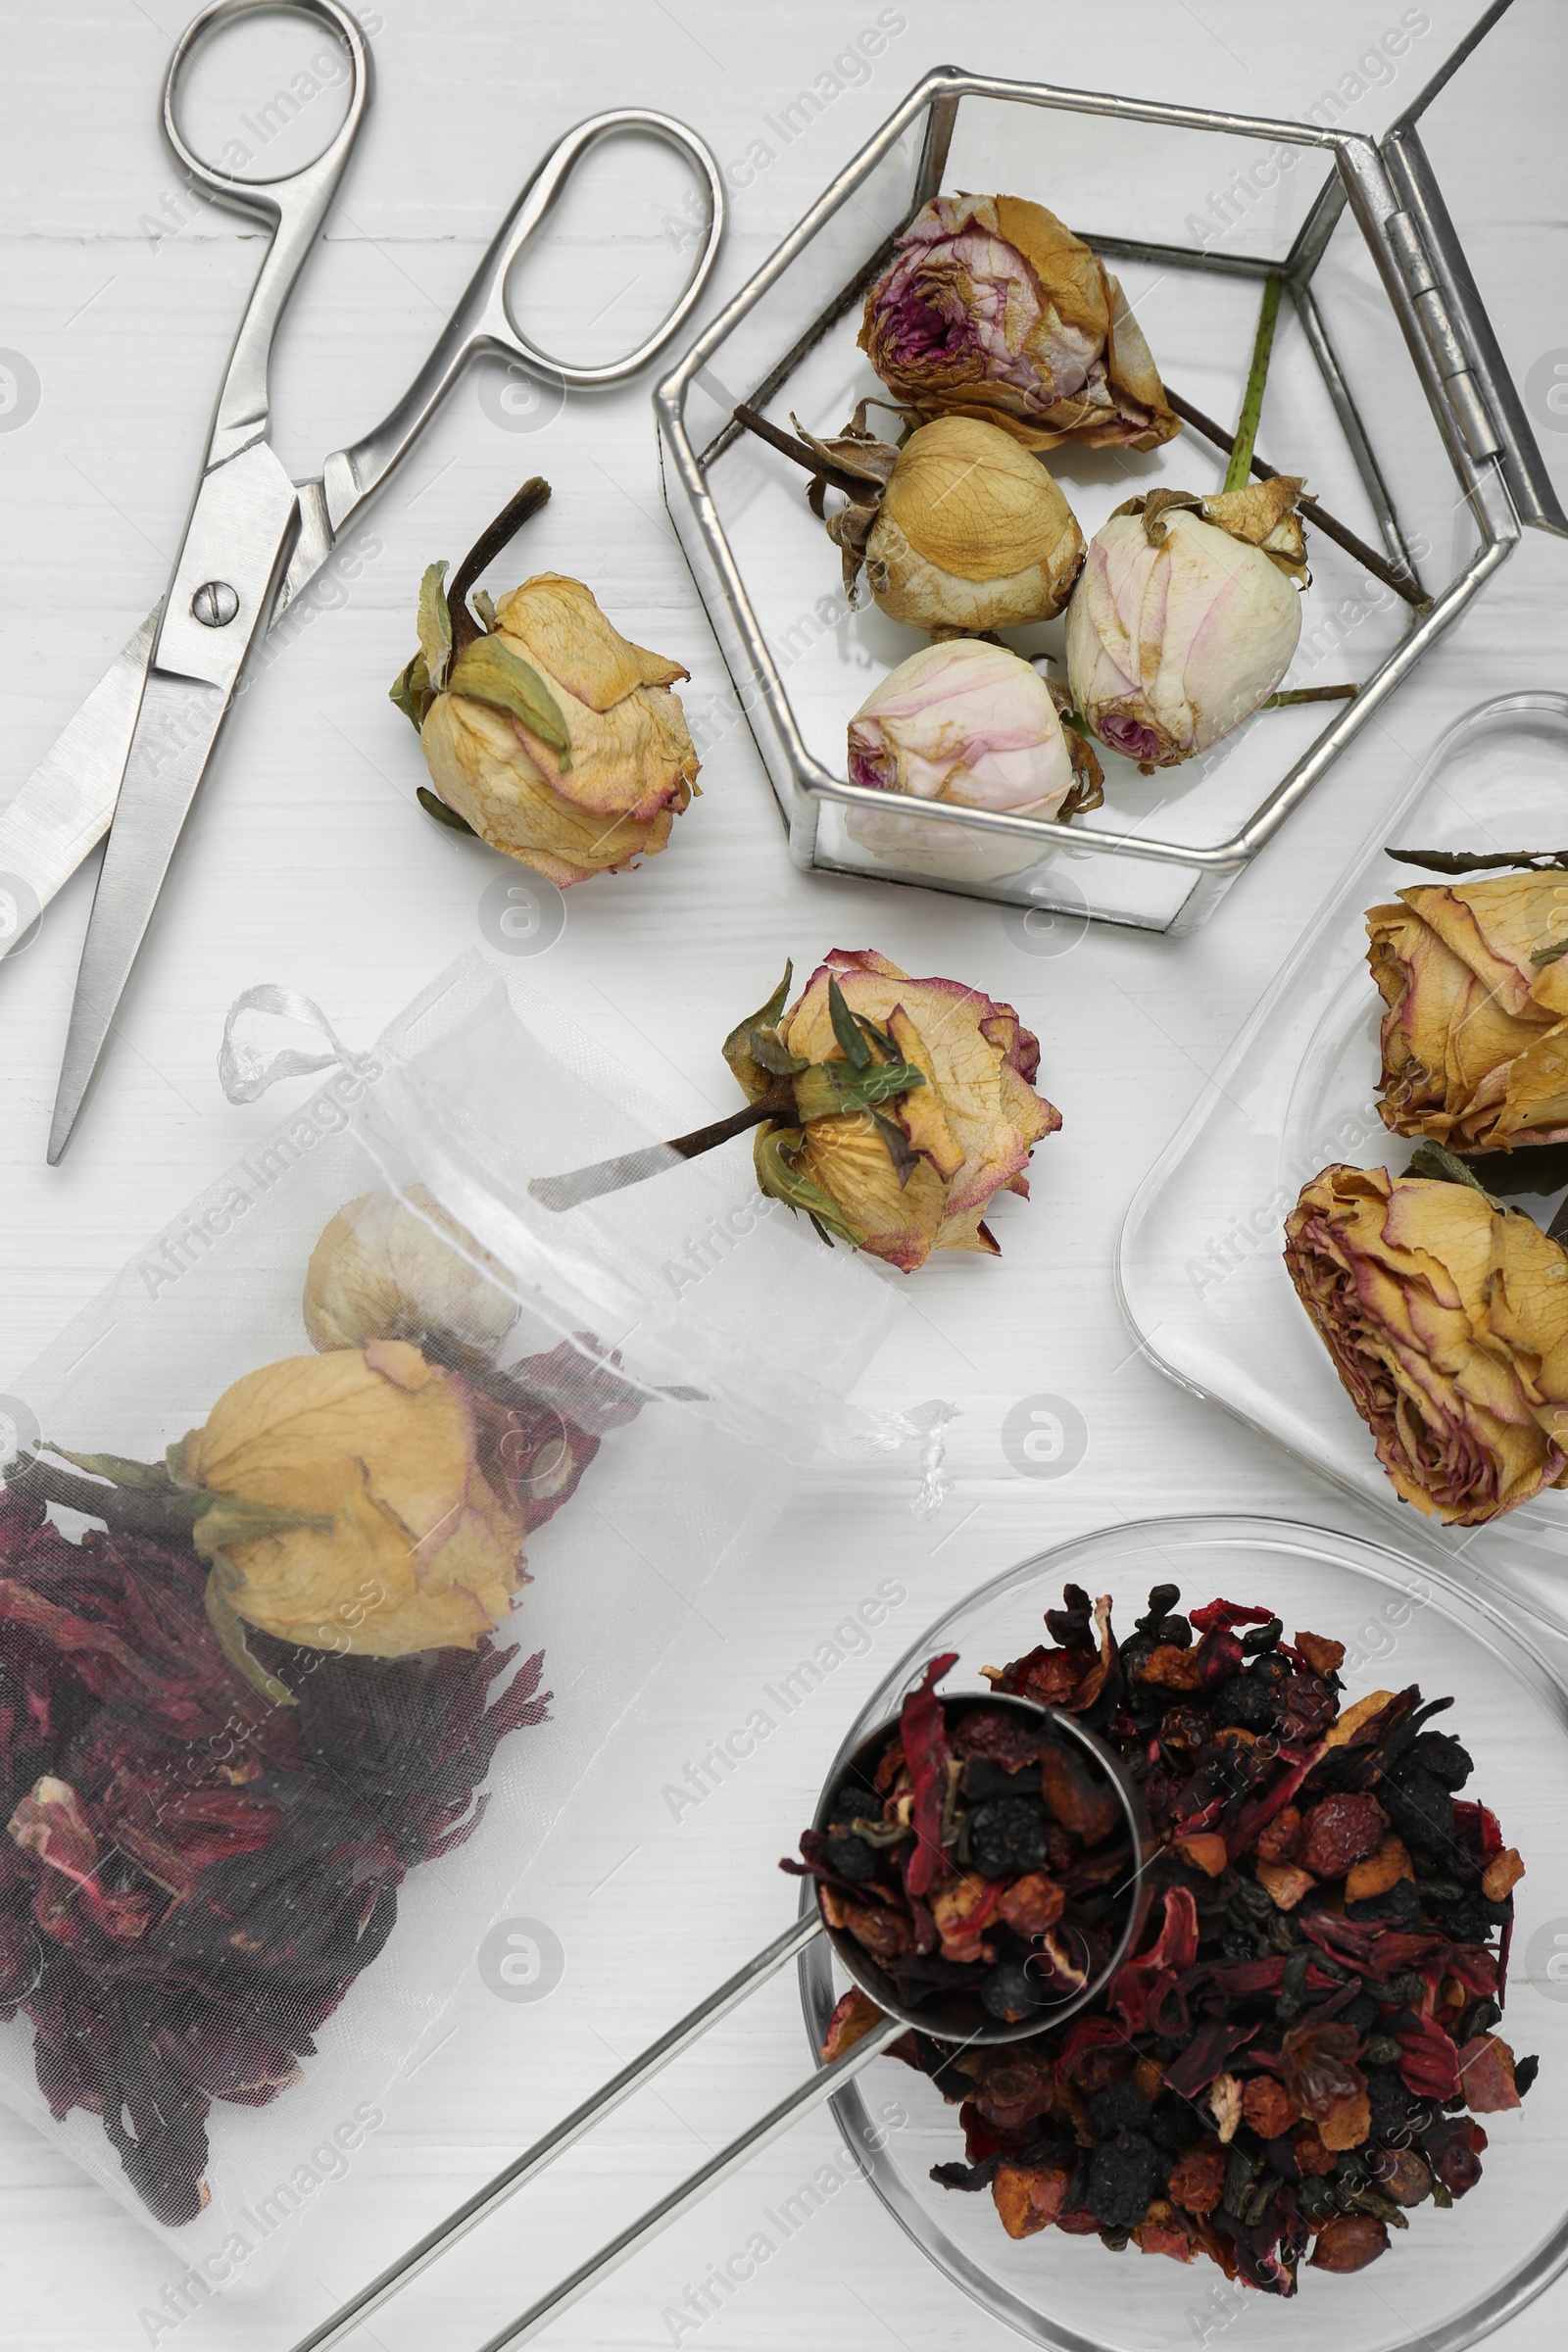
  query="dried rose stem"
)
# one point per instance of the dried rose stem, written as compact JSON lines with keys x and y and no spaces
{"x":854,"y":485}
{"x":1238,"y":472}
{"x":1310,"y":694}
{"x":140,"y":1512}
{"x":485,"y":549}
{"x":632,"y":1167}
{"x":1328,"y":524}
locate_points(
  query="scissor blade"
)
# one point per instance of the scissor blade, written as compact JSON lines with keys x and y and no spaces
{"x":62,"y":810}
{"x":173,"y":737}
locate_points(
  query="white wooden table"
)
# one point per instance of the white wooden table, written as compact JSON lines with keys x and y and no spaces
{"x":309,"y":861}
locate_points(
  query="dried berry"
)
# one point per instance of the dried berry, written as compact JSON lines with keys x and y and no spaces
{"x":1123,"y":2174}
{"x":1350,"y":2242}
{"x":1010,"y":1992}
{"x":1421,"y":1809}
{"x":1007,"y":1836}
{"x":1339,"y":1830}
{"x":1119,"y":2107}
{"x":1245,"y":1703}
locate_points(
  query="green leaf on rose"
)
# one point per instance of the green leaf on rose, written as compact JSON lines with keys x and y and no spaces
{"x":781,"y":1180}
{"x":436,"y":808}
{"x":752,"y":1074}
{"x":905,"y":1159}
{"x":229,"y":1628}
{"x":435,"y":624}
{"x":851,"y":1043}
{"x":828,"y":1089}
{"x":411,"y":690}
{"x":1438,"y":1165}
{"x":490,"y":672}
{"x":484,"y":604}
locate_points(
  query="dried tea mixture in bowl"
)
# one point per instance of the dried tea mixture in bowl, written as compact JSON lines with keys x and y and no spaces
{"x":1296,"y":2053}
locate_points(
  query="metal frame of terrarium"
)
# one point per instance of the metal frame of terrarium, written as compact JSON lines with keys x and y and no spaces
{"x":1397,"y":204}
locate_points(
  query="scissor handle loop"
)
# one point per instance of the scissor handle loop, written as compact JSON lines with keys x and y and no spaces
{"x":263,"y":195}
{"x":483,"y":323}
{"x":499,"y":330}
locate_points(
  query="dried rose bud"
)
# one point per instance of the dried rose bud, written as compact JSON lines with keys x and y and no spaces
{"x":991,"y":308}
{"x":1446,"y":1317}
{"x":1475,"y":1040}
{"x":392,"y":1472}
{"x":958,"y":529}
{"x":913,"y":1105}
{"x":1186,"y":618}
{"x":380,"y":1272}
{"x":976,"y":726}
{"x":548,"y":733}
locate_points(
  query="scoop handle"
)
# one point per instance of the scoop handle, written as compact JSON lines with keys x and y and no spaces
{"x":534,"y":2160}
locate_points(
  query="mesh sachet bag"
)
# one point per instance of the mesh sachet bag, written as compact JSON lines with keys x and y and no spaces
{"x":337,"y":1536}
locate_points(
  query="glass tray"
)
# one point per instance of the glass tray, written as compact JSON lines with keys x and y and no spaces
{"x":1200,"y":1271}
{"x":1454,"y":2275}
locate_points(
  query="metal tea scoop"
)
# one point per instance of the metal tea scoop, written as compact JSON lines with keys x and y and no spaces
{"x":956,"y":2017}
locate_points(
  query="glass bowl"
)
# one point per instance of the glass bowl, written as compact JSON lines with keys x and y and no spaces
{"x":1454,"y":2276}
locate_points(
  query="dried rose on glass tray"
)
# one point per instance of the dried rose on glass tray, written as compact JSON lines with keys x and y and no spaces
{"x":1186,"y":618}
{"x":992,"y":308}
{"x":1295,"y":2057}
{"x":974,"y":725}
{"x":236,"y":1711}
{"x":1446,"y":1313}
{"x":1475,"y":1038}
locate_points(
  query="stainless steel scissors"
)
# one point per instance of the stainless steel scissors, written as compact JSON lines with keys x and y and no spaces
{"x":131,"y":760}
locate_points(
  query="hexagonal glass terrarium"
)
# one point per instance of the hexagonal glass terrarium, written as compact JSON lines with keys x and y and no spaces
{"x":1385,"y":389}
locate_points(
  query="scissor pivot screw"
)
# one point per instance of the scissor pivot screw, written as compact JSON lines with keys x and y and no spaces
{"x":214,"y":604}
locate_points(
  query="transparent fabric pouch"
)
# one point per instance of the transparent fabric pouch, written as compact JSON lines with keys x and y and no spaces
{"x":256,"y":1830}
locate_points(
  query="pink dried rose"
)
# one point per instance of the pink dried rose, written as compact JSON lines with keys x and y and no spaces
{"x":906,"y":1171}
{"x":992,"y":308}
{"x":1186,"y":618}
{"x":1446,"y":1317}
{"x":976,"y":726}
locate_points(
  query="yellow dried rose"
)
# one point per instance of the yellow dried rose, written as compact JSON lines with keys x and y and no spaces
{"x":1475,"y":1038}
{"x":546,"y":731}
{"x":1446,"y":1317}
{"x":402,"y":1542}
{"x":911,"y":1105}
{"x":960,"y":529}
{"x":380,"y":1272}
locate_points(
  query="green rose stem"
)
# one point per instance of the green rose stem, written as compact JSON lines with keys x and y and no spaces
{"x":1328,"y":524}
{"x":138,"y":1511}
{"x":1238,"y":472}
{"x":1310,"y":694}
{"x":632,"y":1167}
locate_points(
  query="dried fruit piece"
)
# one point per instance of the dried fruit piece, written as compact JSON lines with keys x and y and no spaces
{"x":1030,"y":2196}
{"x":1324,"y":1657}
{"x":1380,"y":1871}
{"x":1286,"y":1884}
{"x":1342,"y":1829}
{"x":1502,"y":1875}
{"x":1350,"y":2242}
{"x":1198,"y":2178}
{"x":1269,"y":2108}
